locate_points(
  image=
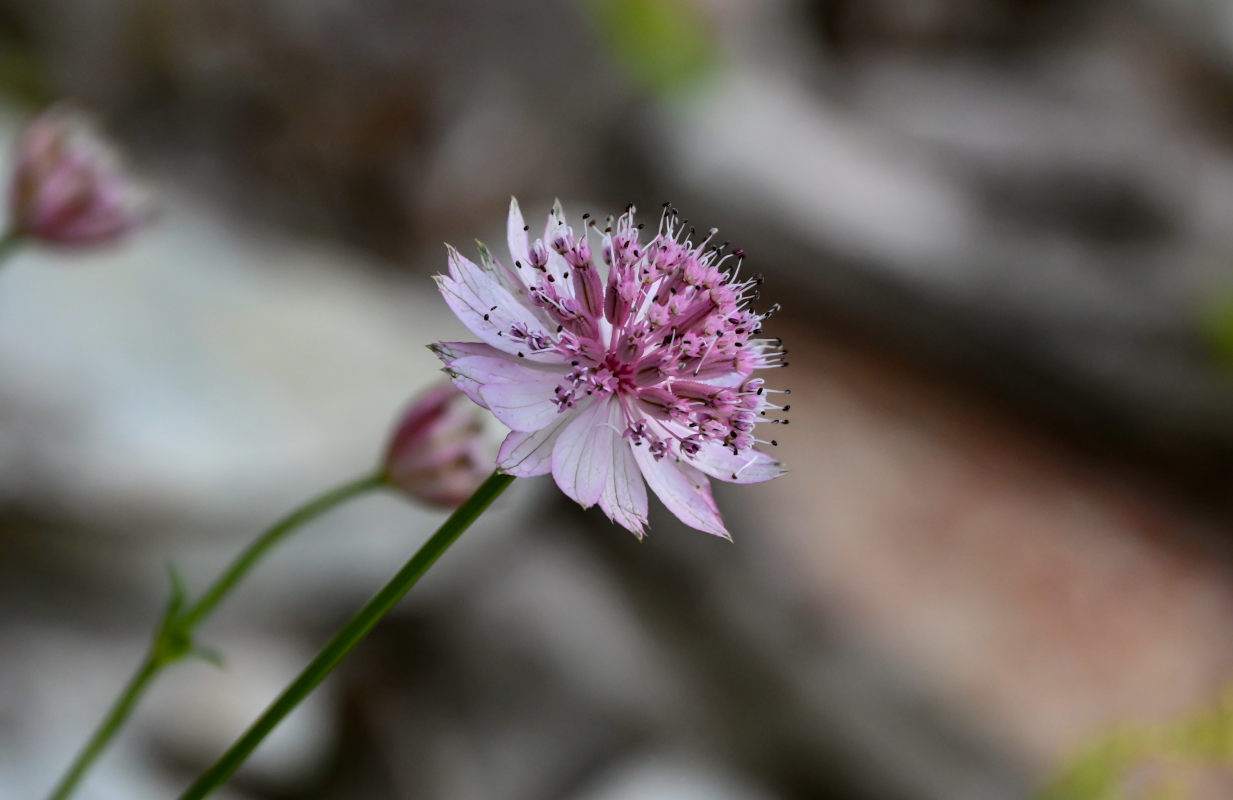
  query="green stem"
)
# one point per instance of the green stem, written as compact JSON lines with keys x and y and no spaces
{"x":174,"y":639}
{"x":246,"y":560}
{"x":349,"y":636}
{"x":111,"y":724}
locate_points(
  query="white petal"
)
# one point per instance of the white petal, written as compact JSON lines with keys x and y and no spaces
{"x":502,"y":274}
{"x":526,"y":454}
{"x":683,"y":489}
{"x":749,"y":467}
{"x":582,"y":456}
{"x":515,"y":231}
{"x":624,"y":497}
{"x":448,"y":351}
{"x":557,"y":266}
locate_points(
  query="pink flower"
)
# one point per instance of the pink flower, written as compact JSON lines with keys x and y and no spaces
{"x":608,"y":375}
{"x":67,"y":186}
{"x":437,"y":453}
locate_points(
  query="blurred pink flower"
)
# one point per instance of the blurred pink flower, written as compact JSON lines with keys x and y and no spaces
{"x":438,"y":451}
{"x":644,"y":372}
{"x":68,"y":187}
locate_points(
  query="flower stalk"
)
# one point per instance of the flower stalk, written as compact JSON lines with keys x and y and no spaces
{"x":174,"y":639}
{"x":349,"y":636}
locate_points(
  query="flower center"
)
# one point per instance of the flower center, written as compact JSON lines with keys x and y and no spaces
{"x":669,"y":333}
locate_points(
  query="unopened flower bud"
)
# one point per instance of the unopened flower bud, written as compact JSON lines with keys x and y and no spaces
{"x":68,"y":187}
{"x":438,"y":452}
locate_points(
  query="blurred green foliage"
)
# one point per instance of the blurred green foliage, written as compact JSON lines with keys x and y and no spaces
{"x":1166,"y":760}
{"x":664,"y":45}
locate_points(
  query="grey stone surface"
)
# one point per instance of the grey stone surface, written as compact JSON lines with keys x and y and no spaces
{"x":1040,"y":196}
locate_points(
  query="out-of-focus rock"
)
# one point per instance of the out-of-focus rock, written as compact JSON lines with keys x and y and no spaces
{"x":663,"y":777}
{"x":56,"y":687}
{"x":377,"y":123}
{"x":166,"y":401}
{"x":1056,"y":228}
{"x":193,"y":716}
{"x":201,"y":380}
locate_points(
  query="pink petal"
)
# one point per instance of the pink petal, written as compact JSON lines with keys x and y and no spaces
{"x":582,"y":457}
{"x":749,"y":467}
{"x":526,"y":454}
{"x":521,"y":407}
{"x":449,"y":352}
{"x":507,"y":388}
{"x":624,"y":497}
{"x":491,"y":313}
{"x":520,"y":395}
{"x":684,"y":490}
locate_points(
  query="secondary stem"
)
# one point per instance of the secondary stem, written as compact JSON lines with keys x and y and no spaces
{"x":174,"y":637}
{"x":112,"y":723}
{"x":246,"y":560}
{"x":349,"y":636}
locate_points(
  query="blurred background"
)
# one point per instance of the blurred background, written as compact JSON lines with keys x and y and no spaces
{"x":1002,"y":234}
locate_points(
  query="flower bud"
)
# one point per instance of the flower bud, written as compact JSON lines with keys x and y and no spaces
{"x":68,"y":187}
{"x":438,"y":452}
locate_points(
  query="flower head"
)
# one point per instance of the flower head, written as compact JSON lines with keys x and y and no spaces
{"x":616,"y":362}
{"x":437,"y":453}
{"x":68,"y":187}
